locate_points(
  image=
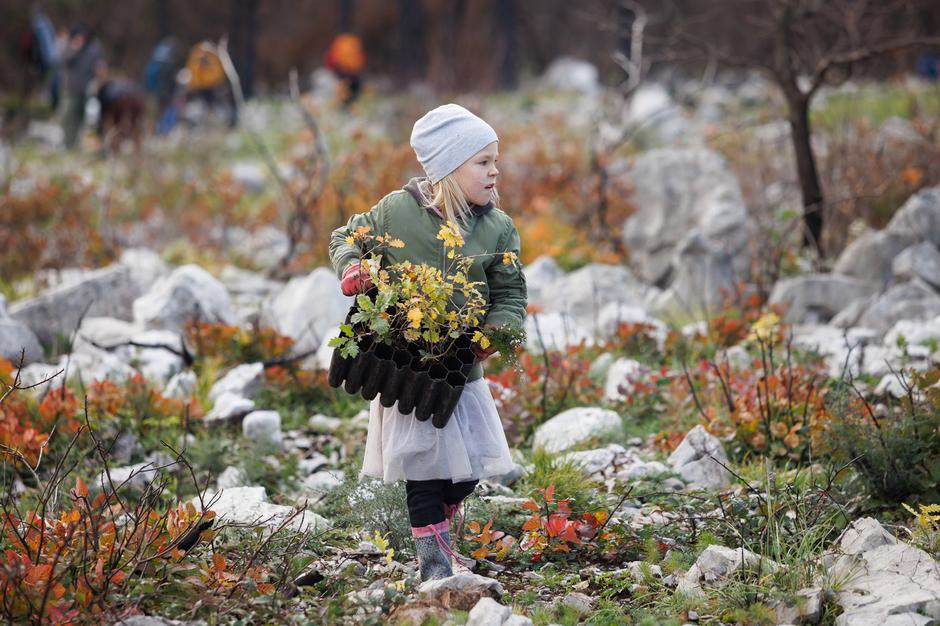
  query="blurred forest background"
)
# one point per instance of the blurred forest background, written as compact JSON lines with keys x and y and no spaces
{"x":453,"y":44}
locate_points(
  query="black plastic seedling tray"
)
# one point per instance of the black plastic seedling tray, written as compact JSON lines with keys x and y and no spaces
{"x":430,"y":390}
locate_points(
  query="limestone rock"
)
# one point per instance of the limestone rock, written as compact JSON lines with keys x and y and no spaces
{"x":887,"y":581}
{"x":678,"y":191}
{"x":914,"y":300}
{"x":109,"y":291}
{"x":461,"y":591}
{"x":263,"y":427}
{"x":870,"y":257}
{"x":568,"y":74}
{"x":18,"y":342}
{"x":622,"y":375}
{"x":814,"y":298}
{"x":250,"y":506}
{"x":488,"y":612}
{"x":699,"y":459}
{"x":571,"y":427}
{"x":242,"y":380}
{"x":229,"y":406}
{"x":583,"y":293}
{"x":580,"y":602}
{"x":189,"y":293}
{"x":703,"y":275}
{"x":717,"y":563}
{"x":539,"y":274}
{"x":919,"y":261}
{"x":307,"y":308}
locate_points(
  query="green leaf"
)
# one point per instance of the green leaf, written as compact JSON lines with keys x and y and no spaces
{"x":350,"y":349}
{"x":346,"y":329}
{"x":364,"y":302}
{"x":379,"y":326}
{"x":336,"y":342}
{"x":356,"y":318}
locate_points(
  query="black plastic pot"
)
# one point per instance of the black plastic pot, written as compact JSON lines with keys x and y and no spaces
{"x":430,"y":390}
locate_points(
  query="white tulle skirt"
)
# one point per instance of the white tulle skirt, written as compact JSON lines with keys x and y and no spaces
{"x":472,"y":445}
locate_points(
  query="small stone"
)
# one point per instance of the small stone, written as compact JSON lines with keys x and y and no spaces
{"x":673,"y":483}
{"x":574,"y":426}
{"x":461,"y":591}
{"x":701,"y":460}
{"x":324,"y":481}
{"x":263,"y":427}
{"x":311,"y":464}
{"x":580,"y":602}
{"x":229,"y":406}
{"x":367,"y":547}
{"x":324,"y":424}
{"x":243,"y":380}
{"x":863,"y":535}
{"x":181,"y":385}
{"x":231,"y":477}
{"x":302,"y":443}
{"x":488,"y":612}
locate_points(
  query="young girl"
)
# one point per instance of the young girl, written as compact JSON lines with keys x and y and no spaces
{"x":441,"y":467}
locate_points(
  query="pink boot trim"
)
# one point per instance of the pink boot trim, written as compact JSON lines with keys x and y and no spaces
{"x":431,"y":529}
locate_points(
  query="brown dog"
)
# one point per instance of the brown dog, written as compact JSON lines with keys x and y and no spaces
{"x":122,"y":113}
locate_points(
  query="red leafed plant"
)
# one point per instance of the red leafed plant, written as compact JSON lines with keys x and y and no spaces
{"x":553,"y":527}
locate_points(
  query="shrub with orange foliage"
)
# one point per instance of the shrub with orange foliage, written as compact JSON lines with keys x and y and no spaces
{"x":52,"y":226}
{"x":552,"y":530}
{"x":232,"y":345}
{"x":64,"y":568}
{"x":777,"y":410}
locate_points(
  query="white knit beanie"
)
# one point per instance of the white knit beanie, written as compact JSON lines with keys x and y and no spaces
{"x":446,"y":137}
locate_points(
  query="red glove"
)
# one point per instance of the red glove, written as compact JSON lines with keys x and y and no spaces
{"x":355,"y":281}
{"x":483,"y":354}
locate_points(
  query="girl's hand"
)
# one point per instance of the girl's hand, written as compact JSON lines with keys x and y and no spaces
{"x":483,"y":354}
{"x":355,"y":280}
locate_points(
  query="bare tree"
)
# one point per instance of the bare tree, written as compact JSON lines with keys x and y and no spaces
{"x":799,"y":45}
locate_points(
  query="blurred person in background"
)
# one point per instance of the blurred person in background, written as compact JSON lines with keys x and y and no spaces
{"x":346,"y":58}
{"x":160,"y":81}
{"x":205,"y":81}
{"x":82,"y":64}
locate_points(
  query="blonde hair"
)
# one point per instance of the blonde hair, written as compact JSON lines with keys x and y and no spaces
{"x":447,"y":196}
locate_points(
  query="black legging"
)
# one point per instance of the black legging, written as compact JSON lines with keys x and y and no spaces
{"x":426,"y":499}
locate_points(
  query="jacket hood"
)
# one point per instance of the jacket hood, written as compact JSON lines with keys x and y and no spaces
{"x":414,"y":188}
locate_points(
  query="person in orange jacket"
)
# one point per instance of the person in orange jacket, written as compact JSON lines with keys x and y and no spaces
{"x":346,"y":58}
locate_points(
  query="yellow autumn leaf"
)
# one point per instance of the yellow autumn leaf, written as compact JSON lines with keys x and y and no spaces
{"x":414,"y":317}
{"x":450,"y":235}
{"x":351,"y":240}
{"x":481,"y":339}
{"x":396,"y":243}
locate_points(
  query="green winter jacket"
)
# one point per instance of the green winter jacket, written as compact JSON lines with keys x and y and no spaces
{"x":401,"y":215}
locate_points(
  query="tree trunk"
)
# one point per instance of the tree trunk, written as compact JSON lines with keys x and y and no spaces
{"x":506,"y":14}
{"x":447,"y":44}
{"x":162,"y":12}
{"x":242,"y":42}
{"x":412,"y":33}
{"x":800,"y":134}
{"x":626,"y":17}
{"x":346,"y":10}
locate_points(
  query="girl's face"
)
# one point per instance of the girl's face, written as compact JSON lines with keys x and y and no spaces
{"x":477,"y":177}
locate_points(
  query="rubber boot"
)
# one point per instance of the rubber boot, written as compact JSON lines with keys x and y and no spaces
{"x":434,"y":561}
{"x":461,"y":563}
